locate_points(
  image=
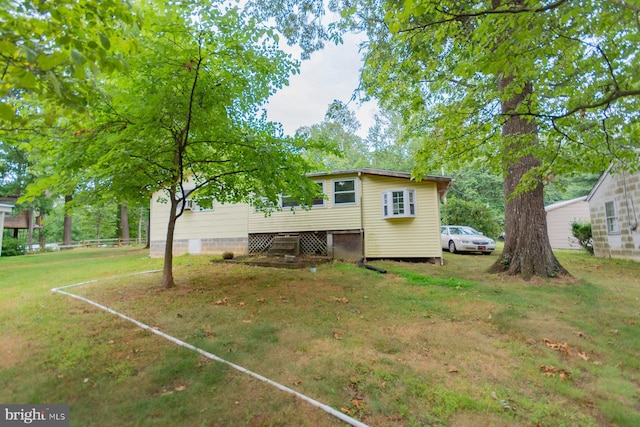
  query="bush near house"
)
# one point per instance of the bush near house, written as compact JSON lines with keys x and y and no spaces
{"x":582,"y":233}
{"x":12,"y":246}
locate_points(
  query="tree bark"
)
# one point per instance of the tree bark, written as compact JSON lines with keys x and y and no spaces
{"x":67,"y":238}
{"x":124,"y":224}
{"x":167,"y":269}
{"x":41,"y":238}
{"x":30,"y":229}
{"x":139,"y":236}
{"x":527,"y":251}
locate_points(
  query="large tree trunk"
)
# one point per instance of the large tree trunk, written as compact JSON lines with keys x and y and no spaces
{"x":124,"y":225}
{"x":167,"y":269}
{"x":527,"y":251}
{"x":139,"y":236}
{"x":30,"y":229}
{"x":41,"y":238}
{"x":67,"y":238}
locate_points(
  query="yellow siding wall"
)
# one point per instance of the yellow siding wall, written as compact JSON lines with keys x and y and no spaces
{"x":417,"y":237}
{"x":329,"y":217}
{"x":204,"y":232}
{"x":224,"y":221}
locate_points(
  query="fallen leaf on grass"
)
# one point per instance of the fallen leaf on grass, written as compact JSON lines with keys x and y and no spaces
{"x":261,"y":300}
{"x":357,"y":403}
{"x":241,"y":303}
{"x":345,"y":411}
{"x":561,"y":347}
{"x":453,"y":370}
{"x":223,"y":301}
{"x":552,"y":371}
{"x":582,"y":334}
{"x":343,"y":300}
{"x":582,"y":355}
{"x":297,"y":382}
{"x":337,"y":336}
{"x":181,"y":388}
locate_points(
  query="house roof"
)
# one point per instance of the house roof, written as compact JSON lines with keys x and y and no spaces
{"x":443,"y":182}
{"x":6,"y":208}
{"x":599,"y":182}
{"x":559,"y":205}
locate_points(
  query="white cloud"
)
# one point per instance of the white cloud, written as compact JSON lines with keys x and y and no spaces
{"x":332,"y":73}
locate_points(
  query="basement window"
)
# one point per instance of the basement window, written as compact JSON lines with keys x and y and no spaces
{"x":398,"y":204}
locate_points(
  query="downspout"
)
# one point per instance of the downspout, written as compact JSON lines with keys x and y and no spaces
{"x":361,"y":215}
{"x":633,"y":208}
{"x":440,"y":220}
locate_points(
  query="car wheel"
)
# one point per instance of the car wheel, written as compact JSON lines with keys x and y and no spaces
{"x":452,"y":247}
{"x":486,"y":253}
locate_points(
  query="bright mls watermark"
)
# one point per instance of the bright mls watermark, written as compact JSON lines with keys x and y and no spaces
{"x":34,"y":415}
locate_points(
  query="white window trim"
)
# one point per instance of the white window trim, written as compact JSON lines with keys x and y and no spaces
{"x":355,"y":192}
{"x":614,"y":217}
{"x":408,"y":194}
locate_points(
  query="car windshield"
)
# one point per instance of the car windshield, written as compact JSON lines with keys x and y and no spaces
{"x":460,"y":231}
{"x":472,"y":230}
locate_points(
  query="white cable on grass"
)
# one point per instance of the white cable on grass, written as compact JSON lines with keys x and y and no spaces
{"x":343,"y":417}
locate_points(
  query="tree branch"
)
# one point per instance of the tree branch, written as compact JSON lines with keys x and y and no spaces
{"x":454,"y":17}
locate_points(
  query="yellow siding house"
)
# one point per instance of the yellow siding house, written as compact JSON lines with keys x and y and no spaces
{"x":366,"y":213}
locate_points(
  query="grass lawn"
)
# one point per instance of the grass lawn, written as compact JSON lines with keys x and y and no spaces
{"x":422,"y":345}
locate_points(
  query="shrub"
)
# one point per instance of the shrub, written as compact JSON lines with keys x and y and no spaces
{"x":12,"y":247}
{"x":472,"y":214}
{"x":227,"y":255}
{"x":582,"y":233}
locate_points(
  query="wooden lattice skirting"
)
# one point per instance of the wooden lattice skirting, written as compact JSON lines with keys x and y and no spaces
{"x":311,"y":243}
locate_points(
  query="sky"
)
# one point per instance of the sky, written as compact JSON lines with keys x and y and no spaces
{"x":331,"y":74}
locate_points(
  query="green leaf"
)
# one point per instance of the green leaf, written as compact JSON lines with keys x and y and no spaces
{"x":48,"y":62}
{"x":30,"y":54}
{"x":28,"y":81}
{"x":105,"y":41}
{"x":7,"y":48}
{"x":78,"y":57}
{"x":6,"y":111}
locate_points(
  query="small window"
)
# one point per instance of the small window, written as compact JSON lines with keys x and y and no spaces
{"x":398,"y":204}
{"x":287,"y":201}
{"x":611,"y":215}
{"x":344,"y":192}
{"x":203,"y":204}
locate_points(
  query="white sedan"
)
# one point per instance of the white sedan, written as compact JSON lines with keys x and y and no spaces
{"x":460,"y":238}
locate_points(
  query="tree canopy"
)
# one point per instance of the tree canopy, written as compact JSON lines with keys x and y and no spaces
{"x":54,"y":50}
{"x":185,"y":119}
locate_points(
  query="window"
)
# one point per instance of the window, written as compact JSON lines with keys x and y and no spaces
{"x":398,"y":204}
{"x":611,"y":215}
{"x":197,"y":204}
{"x":203,"y":204}
{"x":344,"y":192}
{"x":287,"y":201}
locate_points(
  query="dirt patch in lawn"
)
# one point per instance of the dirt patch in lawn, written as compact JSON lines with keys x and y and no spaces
{"x":298,"y":262}
{"x":13,"y":350}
